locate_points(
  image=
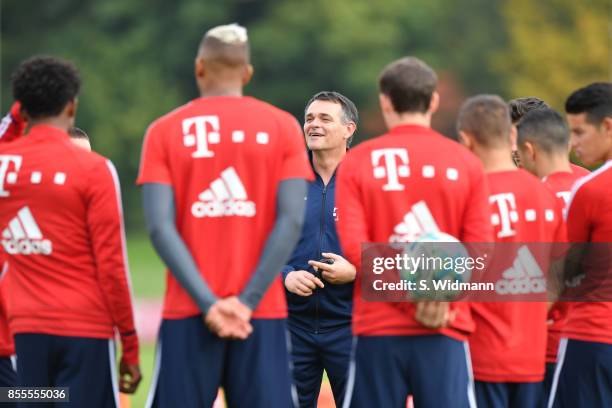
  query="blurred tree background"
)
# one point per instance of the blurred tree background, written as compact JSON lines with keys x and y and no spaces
{"x":136,"y":56}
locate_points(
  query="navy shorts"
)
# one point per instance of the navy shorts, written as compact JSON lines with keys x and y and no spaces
{"x":86,"y":366}
{"x":8,"y":375}
{"x":548,"y":378}
{"x":435,"y":369}
{"x":314,"y":352}
{"x":191,"y":363}
{"x":510,"y":394}
{"x":583,"y":376}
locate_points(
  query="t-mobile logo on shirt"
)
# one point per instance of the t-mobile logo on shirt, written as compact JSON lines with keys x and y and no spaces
{"x":504,"y":215}
{"x":9,"y":166}
{"x":392,"y":169}
{"x":200,"y":131}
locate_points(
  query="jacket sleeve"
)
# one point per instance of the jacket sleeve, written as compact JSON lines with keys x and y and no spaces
{"x":105,"y":223}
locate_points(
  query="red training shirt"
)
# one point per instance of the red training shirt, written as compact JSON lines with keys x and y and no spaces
{"x":62,"y":230}
{"x":224,"y":157}
{"x":589,"y":219}
{"x":560,"y":183}
{"x":509,"y":342}
{"x":391,"y":189}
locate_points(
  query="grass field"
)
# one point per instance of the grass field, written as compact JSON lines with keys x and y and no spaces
{"x":147,"y":270}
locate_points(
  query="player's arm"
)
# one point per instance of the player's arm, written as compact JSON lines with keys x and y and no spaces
{"x":160,"y":215}
{"x":290,"y":211}
{"x":578,"y":232}
{"x":105,"y":222}
{"x":13,"y":124}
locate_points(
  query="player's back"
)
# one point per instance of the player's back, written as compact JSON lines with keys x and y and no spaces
{"x":48,"y":196}
{"x":510,"y":337}
{"x":411,"y":180}
{"x":224,"y":157}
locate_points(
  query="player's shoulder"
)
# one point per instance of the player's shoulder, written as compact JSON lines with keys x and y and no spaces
{"x":595,"y":183}
{"x":85,"y":158}
{"x":171,"y":116}
{"x":266,"y":108}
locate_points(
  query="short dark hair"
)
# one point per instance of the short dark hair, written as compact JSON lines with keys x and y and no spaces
{"x":44,"y":85}
{"x":409,"y":83}
{"x":349,"y":110}
{"x":520,"y":106}
{"x":595,"y":100}
{"x":546,"y":128}
{"x":487,"y":118}
{"x":77,"y":133}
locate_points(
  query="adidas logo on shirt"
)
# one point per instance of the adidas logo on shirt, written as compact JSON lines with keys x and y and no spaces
{"x":525,"y":276}
{"x":225,"y":197}
{"x":418,"y":220}
{"x":22,"y":236}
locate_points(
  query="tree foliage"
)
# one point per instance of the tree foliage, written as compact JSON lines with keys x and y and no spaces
{"x":136,"y":57}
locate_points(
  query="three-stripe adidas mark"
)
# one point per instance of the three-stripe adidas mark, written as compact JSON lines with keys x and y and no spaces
{"x":226,"y":196}
{"x":418,"y":220}
{"x":525,"y":276}
{"x":23,"y":236}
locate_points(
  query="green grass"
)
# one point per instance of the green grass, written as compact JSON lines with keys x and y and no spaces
{"x":147,"y":270}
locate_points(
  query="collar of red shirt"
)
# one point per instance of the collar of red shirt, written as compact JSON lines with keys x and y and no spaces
{"x":48,"y":131}
{"x":409,"y":128}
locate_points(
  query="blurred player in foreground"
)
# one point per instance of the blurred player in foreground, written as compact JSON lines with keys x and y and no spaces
{"x":224,"y":178}
{"x":67,"y":287}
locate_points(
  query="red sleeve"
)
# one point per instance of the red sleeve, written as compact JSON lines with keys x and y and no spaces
{"x":154,"y":163}
{"x":476,"y":226}
{"x":105,"y":222}
{"x":352,"y":223}
{"x":13,"y":124}
{"x":295,"y":159}
{"x":578,"y":217}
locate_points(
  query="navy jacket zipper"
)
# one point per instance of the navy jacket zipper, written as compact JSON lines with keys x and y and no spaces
{"x":322,"y":230}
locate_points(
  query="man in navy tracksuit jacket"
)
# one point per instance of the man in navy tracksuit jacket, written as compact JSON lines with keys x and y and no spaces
{"x":320,"y":294}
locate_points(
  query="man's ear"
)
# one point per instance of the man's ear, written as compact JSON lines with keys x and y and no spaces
{"x":247,"y":74}
{"x":385,"y":103}
{"x":466,"y":139}
{"x":71,"y":108}
{"x":513,"y":137}
{"x":434,"y":104}
{"x":530,"y":149}
{"x":199,"y":68}
{"x":351,"y":127}
{"x":606,"y":126}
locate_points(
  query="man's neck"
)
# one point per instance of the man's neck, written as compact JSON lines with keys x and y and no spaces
{"x":494,"y":160}
{"x":401,"y":119}
{"x":56,"y":121}
{"x":325,"y":162}
{"x":233,"y":89}
{"x":554,"y":164}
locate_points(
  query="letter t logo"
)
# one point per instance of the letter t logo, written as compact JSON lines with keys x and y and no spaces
{"x":391,"y":170}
